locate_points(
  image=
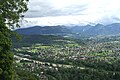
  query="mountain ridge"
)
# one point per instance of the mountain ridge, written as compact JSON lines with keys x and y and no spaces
{"x":88,"y":30}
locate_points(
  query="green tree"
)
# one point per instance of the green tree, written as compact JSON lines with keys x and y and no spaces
{"x":11,"y":12}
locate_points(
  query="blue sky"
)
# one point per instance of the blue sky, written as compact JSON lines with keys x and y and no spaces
{"x":71,"y":12}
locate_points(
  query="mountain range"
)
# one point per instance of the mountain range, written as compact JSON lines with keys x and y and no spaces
{"x":51,"y":30}
{"x":88,"y":30}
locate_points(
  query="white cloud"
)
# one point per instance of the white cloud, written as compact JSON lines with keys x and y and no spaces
{"x":60,"y":4}
{"x":60,"y":12}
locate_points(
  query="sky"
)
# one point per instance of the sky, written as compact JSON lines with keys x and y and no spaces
{"x":71,"y":12}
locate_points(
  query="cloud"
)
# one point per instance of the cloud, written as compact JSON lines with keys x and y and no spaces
{"x":55,"y":12}
{"x":42,"y":8}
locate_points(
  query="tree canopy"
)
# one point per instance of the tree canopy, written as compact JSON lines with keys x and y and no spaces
{"x":11,"y":12}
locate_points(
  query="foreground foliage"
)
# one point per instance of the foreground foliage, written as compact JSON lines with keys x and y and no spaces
{"x":10,"y":14}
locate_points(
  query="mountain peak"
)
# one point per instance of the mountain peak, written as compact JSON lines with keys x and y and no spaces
{"x":99,"y":25}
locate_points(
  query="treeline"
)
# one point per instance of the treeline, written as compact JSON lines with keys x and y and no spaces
{"x":28,"y":40}
{"x":81,"y":74}
{"x":25,"y":75}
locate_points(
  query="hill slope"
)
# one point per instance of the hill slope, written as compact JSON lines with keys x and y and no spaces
{"x":88,"y":30}
{"x":99,"y":29}
{"x":56,"y":30}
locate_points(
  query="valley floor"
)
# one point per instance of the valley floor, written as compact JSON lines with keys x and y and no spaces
{"x":70,"y":59}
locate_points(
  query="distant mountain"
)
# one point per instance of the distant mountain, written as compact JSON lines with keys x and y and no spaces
{"x":80,"y":29}
{"x":77,"y":31}
{"x":55,"y":30}
{"x":99,"y":29}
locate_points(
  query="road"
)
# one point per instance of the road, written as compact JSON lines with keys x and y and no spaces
{"x":59,"y":65}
